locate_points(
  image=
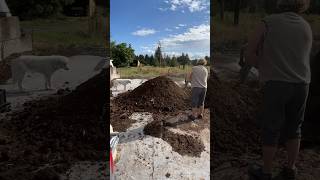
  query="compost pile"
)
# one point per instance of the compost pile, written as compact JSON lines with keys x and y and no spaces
{"x":184,"y":144}
{"x":61,"y":129}
{"x":234,"y":109}
{"x":160,"y":94}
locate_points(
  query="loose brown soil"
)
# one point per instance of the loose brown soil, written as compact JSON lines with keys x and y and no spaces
{"x":160,"y":95}
{"x":181,"y":143}
{"x":234,"y":109}
{"x":55,"y":131}
{"x":236,"y":135}
{"x":163,"y":97}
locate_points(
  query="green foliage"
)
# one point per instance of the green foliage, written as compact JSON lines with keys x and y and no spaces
{"x":29,"y":9}
{"x":173,"y":62}
{"x":121,"y":54}
{"x":158,"y":57}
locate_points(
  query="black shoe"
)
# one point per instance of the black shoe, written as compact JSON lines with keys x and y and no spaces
{"x":200,"y":116}
{"x":256,"y":173}
{"x":289,"y":174}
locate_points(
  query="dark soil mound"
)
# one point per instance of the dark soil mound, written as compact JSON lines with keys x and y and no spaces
{"x":234,"y":109}
{"x":158,"y":94}
{"x":184,"y":144}
{"x":181,"y":143}
{"x":61,"y":129}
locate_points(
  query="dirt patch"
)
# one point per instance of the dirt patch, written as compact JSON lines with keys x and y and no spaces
{"x":160,"y":95}
{"x":58,"y":131}
{"x":234,"y":110}
{"x":183,"y":144}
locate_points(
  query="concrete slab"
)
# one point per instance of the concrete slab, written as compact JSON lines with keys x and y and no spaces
{"x":146,"y":157}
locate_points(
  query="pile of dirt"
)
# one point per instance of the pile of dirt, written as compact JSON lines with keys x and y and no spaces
{"x":158,"y":94}
{"x":183,"y":144}
{"x":58,"y":130}
{"x":234,"y":110}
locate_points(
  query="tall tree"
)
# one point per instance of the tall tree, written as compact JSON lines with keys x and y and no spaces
{"x":222,"y":7}
{"x":237,"y":6}
{"x":158,"y":56}
{"x":121,"y":54}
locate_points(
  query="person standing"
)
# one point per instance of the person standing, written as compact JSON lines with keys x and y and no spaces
{"x":198,"y":78}
{"x":280,"y":48}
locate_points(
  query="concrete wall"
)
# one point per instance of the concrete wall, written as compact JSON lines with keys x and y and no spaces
{"x":11,"y":39}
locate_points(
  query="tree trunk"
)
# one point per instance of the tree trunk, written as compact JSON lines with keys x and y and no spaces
{"x":237,"y":12}
{"x":222,"y":10}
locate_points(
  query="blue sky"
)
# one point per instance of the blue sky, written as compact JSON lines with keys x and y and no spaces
{"x":180,"y":25}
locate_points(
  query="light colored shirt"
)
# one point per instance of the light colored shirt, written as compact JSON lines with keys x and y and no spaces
{"x":199,"y":76}
{"x":286,"y":49}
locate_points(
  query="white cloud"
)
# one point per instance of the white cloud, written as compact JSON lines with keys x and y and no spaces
{"x":162,"y":9}
{"x":177,"y":27}
{"x":195,"y":41}
{"x":182,"y":25}
{"x":168,"y":29}
{"x":192,"y":5}
{"x":144,"y":32}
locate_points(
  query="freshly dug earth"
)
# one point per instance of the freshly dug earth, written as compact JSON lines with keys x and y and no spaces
{"x":234,"y":109}
{"x":56,"y":131}
{"x":158,"y":95}
{"x":181,"y":143}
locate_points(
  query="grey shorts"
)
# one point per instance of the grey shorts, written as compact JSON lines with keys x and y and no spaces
{"x":283,"y":111}
{"x":198,"y":97}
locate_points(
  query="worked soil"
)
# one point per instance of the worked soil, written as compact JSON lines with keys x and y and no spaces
{"x":55,"y":132}
{"x":234,"y":110}
{"x":181,"y":143}
{"x":160,"y":95}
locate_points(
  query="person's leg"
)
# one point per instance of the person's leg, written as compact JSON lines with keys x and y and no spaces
{"x":194,"y":102}
{"x":202,"y":98}
{"x":292,"y":147}
{"x":295,"y":116}
{"x":273,"y":118}
{"x":268,"y":153}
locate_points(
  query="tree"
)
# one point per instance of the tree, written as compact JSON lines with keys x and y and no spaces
{"x":237,"y":6}
{"x":121,"y":54}
{"x":142,"y":59}
{"x":222,"y":7}
{"x":173,"y":61}
{"x":37,"y":8}
{"x":158,"y":56}
{"x":207,"y":58}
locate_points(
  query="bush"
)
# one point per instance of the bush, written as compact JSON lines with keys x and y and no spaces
{"x":37,"y":8}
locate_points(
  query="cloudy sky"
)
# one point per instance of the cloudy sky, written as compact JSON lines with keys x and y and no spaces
{"x":180,"y":25}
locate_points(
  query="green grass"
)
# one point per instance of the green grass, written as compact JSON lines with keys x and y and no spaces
{"x":225,"y":34}
{"x":150,"y":71}
{"x":63,"y":32}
